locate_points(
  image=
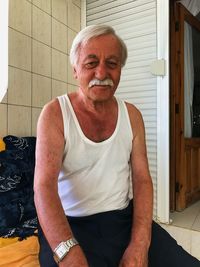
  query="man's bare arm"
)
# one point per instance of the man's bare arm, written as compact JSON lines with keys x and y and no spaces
{"x":142,"y":184}
{"x":142,"y":195}
{"x":49,"y":154}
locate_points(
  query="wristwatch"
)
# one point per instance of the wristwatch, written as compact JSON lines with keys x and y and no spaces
{"x":63,"y":248}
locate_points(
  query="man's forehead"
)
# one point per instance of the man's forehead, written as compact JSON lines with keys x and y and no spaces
{"x":100,"y":43}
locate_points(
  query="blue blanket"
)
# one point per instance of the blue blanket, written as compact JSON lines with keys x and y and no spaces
{"x":17,"y":210}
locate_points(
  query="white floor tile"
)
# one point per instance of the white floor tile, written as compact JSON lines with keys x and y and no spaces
{"x":185,"y":228}
{"x":195,"y":244}
{"x":187,"y":218}
{"x":196,"y":224}
{"x":182,"y":236}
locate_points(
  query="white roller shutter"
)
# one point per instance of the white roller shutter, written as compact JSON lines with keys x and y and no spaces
{"x":135,"y":22}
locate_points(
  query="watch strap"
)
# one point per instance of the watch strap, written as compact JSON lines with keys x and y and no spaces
{"x":63,"y":249}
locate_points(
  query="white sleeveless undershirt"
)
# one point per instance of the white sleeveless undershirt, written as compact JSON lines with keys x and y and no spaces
{"x":95,"y":177}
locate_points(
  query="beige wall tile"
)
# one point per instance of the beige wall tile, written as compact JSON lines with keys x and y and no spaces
{"x":59,"y":66}
{"x":70,"y":74}
{"x":74,"y":17}
{"x":35,"y":115}
{"x":3,"y":120}
{"x":71,"y":88}
{"x":41,"y":26}
{"x":19,"y":50}
{"x":71,"y":35}
{"x":43,"y":4}
{"x":34,"y":56}
{"x":20,"y":16}
{"x":59,"y":10}
{"x":41,"y":59}
{"x":19,"y":91}
{"x":77,"y":2}
{"x":59,"y":36}
{"x":58,"y":88}
{"x":41,"y":92}
{"x":19,"y":120}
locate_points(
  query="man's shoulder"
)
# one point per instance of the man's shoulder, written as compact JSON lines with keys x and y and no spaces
{"x":51,"y":111}
{"x":132,"y":109}
{"x":52,"y":106}
{"x":135,"y":116}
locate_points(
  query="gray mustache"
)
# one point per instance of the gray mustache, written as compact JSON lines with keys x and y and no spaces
{"x":108,"y":82}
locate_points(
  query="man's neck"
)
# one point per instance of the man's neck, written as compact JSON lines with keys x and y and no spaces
{"x":90,"y":105}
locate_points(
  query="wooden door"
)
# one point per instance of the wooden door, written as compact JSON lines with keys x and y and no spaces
{"x":184,"y":151}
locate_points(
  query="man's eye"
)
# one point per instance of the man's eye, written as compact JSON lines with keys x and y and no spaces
{"x":112,"y":64}
{"x":91,"y":64}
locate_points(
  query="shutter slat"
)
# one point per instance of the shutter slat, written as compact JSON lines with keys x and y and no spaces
{"x":118,"y":9}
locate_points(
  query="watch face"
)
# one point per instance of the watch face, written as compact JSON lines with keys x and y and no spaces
{"x":61,"y":250}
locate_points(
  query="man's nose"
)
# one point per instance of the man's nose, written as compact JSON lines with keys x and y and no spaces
{"x":101,"y":72}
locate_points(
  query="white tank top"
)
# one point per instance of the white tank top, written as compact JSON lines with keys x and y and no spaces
{"x":95,"y":177}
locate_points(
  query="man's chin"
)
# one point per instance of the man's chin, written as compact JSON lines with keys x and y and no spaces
{"x":101,"y":96}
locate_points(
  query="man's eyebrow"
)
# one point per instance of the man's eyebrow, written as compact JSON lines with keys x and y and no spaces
{"x":113,"y":57}
{"x":91,"y":56}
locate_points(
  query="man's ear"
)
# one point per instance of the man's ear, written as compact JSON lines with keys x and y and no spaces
{"x":75,"y":73}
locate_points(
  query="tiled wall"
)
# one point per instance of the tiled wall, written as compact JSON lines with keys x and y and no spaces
{"x":40,"y":36}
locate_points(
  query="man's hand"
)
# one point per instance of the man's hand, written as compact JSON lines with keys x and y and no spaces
{"x":75,"y":258}
{"x":134,"y":257}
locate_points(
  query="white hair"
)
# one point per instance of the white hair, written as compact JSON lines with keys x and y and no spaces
{"x":90,"y":32}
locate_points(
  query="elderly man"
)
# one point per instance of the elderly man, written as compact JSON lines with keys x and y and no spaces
{"x":90,"y":149}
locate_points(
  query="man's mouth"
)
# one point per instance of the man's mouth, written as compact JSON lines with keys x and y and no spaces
{"x":96,"y":82}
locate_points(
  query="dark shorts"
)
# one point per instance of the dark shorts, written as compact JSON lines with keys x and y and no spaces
{"x":105,"y":236}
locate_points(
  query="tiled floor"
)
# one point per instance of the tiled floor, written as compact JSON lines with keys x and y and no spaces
{"x":189,"y":218}
{"x":185,"y":228}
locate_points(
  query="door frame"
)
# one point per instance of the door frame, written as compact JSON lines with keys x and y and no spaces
{"x":179,"y":197}
{"x":173,"y":70}
{"x":163,"y":114}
